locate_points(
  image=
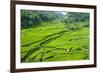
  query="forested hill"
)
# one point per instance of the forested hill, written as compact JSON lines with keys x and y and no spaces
{"x":31,"y":18}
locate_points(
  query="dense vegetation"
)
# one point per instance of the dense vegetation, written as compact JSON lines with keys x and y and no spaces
{"x":54,"y":36}
{"x":34,"y":18}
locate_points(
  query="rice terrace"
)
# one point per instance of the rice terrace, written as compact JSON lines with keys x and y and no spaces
{"x":48,"y":36}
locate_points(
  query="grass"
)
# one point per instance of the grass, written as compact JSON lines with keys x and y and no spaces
{"x":53,"y":41}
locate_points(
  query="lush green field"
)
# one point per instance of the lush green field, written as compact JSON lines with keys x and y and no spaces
{"x":53,"y":41}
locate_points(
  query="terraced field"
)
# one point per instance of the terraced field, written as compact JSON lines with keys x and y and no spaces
{"x":53,"y":41}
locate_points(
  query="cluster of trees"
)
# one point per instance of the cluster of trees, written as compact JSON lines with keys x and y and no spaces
{"x":31,"y":18}
{"x":76,"y":17}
